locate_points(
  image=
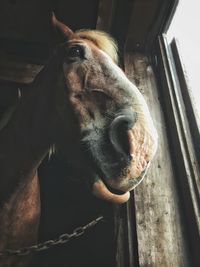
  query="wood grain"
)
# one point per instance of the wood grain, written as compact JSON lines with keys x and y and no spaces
{"x":16,"y":71}
{"x":159,"y":224}
{"x":105,"y":14}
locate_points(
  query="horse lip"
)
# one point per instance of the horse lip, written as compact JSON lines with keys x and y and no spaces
{"x":105,"y":178}
{"x":112,"y":189}
{"x":101,"y":191}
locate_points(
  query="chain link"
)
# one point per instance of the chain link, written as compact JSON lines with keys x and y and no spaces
{"x":62,"y":239}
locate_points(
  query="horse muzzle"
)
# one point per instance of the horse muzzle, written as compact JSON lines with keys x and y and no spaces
{"x":133,"y":146}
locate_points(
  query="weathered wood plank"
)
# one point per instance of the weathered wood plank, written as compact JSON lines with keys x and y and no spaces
{"x":160,"y":229}
{"x":16,"y":71}
{"x":105,"y":14}
{"x":183,"y":154}
{"x":148,"y":19}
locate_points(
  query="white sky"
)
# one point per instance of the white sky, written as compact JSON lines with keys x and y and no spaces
{"x":186,"y":28}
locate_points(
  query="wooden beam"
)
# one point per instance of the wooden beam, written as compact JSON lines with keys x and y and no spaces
{"x":159,"y":223}
{"x":16,"y":71}
{"x":105,"y":15}
{"x":184,"y":159}
{"x":148,"y":20}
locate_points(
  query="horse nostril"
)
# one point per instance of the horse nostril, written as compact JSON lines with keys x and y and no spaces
{"x":118,"y":134}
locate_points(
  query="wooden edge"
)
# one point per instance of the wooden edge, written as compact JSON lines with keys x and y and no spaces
{"x":185,"y":163}
{"x":19,"y":72}
{"x":105,"y":15}
{"x":191,"y":109}
{"x":126,"y":235}
{"x":148,"y":20}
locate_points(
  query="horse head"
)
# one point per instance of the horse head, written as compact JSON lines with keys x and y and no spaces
{"x":116,"y":138}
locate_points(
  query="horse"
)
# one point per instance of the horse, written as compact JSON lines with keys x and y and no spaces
{"x":82,"y":102}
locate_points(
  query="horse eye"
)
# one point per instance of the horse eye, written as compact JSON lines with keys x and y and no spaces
{"x":75,"y":51}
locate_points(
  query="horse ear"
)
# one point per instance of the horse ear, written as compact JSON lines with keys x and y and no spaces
{"x":64,"y":31}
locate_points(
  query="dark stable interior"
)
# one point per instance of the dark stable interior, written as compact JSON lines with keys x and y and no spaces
{"x":66,"y":203}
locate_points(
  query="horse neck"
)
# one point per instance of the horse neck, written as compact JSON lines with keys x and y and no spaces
{"x":31,"y":131}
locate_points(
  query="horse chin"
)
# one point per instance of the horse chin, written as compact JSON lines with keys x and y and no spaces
{"x":117,"y":190}
{"x":102,"y":191}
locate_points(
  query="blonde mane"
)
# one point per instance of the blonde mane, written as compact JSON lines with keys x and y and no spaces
{"x":102,"y":40}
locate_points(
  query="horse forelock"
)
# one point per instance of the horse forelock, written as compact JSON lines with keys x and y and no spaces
{"x":102,"y":40}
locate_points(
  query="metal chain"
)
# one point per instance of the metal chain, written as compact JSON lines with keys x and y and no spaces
{"x":62,"y":239}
